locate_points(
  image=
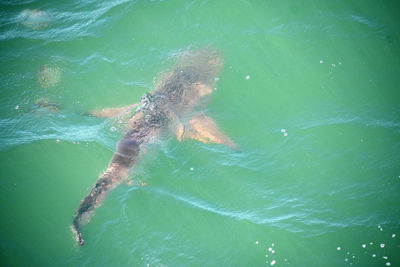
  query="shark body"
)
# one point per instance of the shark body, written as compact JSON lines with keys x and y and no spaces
{"x":174,"y":105}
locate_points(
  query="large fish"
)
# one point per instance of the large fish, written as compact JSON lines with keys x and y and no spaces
{"x":174,"y":105}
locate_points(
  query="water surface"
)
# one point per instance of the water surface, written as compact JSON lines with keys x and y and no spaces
{"x":309,"y":92}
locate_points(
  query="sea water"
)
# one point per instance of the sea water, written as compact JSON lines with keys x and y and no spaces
{"x":309,"y":92}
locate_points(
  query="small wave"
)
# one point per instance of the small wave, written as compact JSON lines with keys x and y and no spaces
{"x":53,"y":24}
{"x":15,"y":2}
{"x":366,"y":122}
{"x":29,"y":128}
{"x":383,"y":124}
{"x":364,"y":21}
{"x":328,"y":122}
{"x":207,"y":207}
{"x":97,"y":58}
{"x":293,"y":221}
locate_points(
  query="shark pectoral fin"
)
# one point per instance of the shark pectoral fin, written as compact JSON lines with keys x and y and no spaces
{"x":205,"y":129}
{"x":179,"y":131}
{"x":111,"y":112}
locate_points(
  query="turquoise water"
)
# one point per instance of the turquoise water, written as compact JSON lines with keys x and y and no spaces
{"x":309,"y":92}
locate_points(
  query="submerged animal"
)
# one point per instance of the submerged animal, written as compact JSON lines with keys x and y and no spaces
{"x":174,"y":105}
{"x":49,"y":76}
{"x":34,"y":18}
{"x":44,"y":104}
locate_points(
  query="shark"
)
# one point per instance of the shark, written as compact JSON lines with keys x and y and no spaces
{"x":176,"y":105}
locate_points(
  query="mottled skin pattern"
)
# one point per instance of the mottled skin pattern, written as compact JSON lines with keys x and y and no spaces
{"x":173,"y":105}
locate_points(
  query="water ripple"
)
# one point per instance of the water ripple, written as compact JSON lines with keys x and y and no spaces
{"x":28,"y":128}
{"x":62,"y":25}
{"x":294,"y":221}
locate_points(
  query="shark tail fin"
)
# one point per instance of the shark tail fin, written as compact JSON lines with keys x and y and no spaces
{"x":78,"y":235}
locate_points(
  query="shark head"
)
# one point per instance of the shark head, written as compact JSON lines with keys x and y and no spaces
{"x":192,"y":78}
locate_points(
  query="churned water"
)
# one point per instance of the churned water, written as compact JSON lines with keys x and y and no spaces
{"x":309,"y":91}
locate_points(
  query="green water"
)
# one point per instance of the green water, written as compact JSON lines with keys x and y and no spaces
{"x":325,"y":71}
